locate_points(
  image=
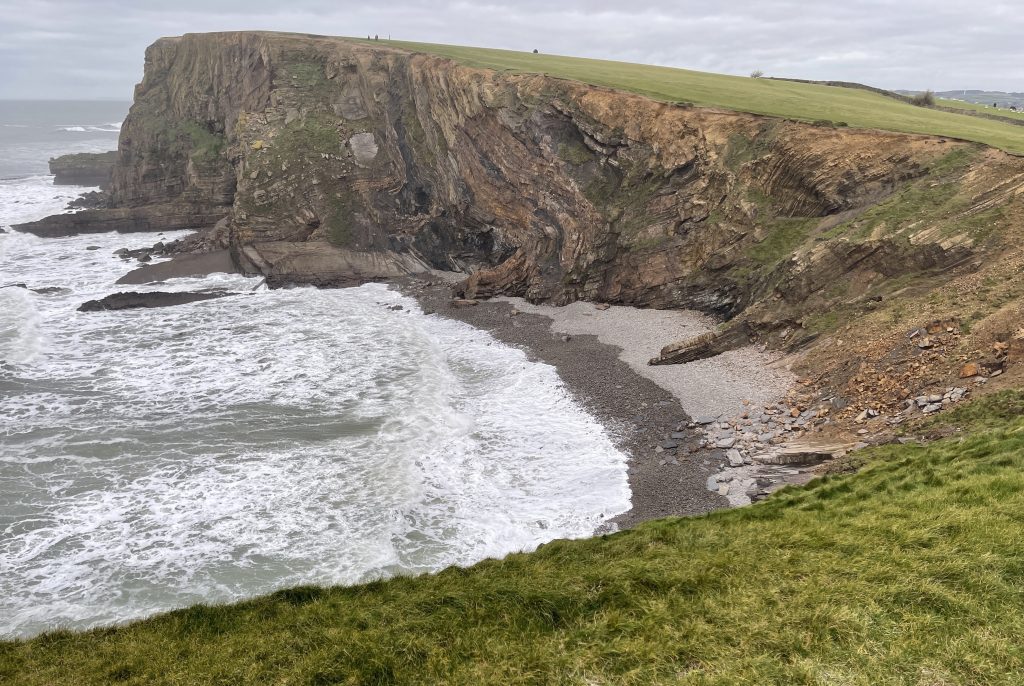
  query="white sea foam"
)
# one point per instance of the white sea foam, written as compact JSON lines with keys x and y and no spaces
{"x":150,"y":459}
{"x":112,"y":127}
{"x":29,"y":198}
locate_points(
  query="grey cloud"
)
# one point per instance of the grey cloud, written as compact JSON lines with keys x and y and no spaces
{"x":93,"y":48}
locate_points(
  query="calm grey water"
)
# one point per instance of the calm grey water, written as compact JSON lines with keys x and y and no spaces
{"x":152,"y":459}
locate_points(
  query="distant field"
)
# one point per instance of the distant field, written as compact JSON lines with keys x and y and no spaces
{"x":975,"y":107}
{"x":809,"y":102}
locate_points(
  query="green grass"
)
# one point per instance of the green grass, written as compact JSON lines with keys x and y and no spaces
{"x":988,"y":412}
{"x":205,"y":147}
{"x":784,"y":236}
{"x":932,"y":198}
{"x":975,"y":107}
{"x":306,"y":139}
{"x":823,"y":322}
{"x":908,"y":572}
{"x":340,"y":207}
{"x":305,"y":72}
{"x":808,"y":102}
{"x":575,"y":152}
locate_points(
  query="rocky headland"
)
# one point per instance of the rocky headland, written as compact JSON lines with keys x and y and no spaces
{"x":317,"y":160}
{"x":309,"y":149}
{"x":743,"y":301}
{"x":83,"y":169}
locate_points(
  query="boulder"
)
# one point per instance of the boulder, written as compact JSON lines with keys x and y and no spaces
{"x":704,"y":346}
{"x":970,"y":369}
{"x":90,"y":201}
{"x":364,"y":148}
{"x":800,"y":454}
{"x":939,"y":326}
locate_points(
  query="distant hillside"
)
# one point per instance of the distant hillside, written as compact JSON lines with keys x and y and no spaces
{"x":988,"y":98}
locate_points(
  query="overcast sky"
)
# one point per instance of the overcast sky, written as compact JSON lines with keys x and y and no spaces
{"x":94,"y":48}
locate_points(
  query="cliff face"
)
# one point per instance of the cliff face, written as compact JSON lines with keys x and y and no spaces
{"x":329,"y":159}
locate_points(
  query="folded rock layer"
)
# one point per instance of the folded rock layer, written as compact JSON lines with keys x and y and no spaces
{"x":328,"y":160}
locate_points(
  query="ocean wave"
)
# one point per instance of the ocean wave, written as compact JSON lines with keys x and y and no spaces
{"x":215,"y":451}
{"x":112,"y":127}
{"x":27,"y":198}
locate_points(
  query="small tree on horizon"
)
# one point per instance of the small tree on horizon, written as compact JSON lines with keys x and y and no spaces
{"x":756,"y":74}
{"x":924,"y":99}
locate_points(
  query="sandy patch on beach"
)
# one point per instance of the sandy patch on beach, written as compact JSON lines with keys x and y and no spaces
{"x":713,"y":387}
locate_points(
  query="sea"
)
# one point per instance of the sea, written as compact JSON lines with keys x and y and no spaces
{"x":219,"y":450}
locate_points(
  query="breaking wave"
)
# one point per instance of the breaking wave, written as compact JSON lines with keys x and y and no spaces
{"x":152,"y":459}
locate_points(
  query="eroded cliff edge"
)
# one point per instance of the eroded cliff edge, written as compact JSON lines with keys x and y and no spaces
{"x":324,"y":160}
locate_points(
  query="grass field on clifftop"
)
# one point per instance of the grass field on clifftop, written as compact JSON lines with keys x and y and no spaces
{"x":909,"y":572}
{"x":810,"y":102}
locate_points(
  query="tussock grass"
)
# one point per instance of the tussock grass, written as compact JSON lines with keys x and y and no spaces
{"x":804,"y":101}
{"x":908,"y":572}
{"x":988,"y":412}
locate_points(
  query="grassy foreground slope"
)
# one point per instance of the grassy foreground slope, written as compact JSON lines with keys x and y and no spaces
{"x":804,"y":101}
{"x":908,"y":572}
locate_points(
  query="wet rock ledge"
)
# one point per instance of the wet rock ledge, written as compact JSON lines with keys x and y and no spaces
{"x":134,"y":300}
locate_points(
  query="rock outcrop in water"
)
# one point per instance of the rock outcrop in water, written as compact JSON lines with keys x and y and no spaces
{"x":324,"y":160}
{"x":134,"y":300}
{"x":83,"y":168}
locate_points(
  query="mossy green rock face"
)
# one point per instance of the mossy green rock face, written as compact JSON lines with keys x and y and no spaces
{"x":535,"y":186}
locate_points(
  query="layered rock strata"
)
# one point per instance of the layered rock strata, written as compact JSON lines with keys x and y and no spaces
{"x":83,"y":168}
{"x":331,"y":161}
